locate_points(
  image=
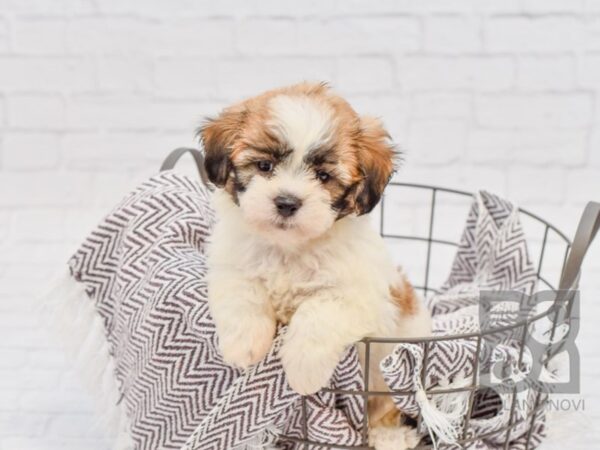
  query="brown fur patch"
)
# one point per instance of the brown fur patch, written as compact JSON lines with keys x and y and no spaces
{"x":403,"y":295}
{"x":383,"y":412}
{"x":360,"y":158}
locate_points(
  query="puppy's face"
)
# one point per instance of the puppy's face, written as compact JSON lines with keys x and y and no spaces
{"x":297,"y":159}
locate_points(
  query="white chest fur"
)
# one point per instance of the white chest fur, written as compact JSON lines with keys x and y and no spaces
{"x":348,"y":262}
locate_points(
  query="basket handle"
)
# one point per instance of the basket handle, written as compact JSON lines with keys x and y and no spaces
{"x":586,"y":231}
{"x":173,"y":157}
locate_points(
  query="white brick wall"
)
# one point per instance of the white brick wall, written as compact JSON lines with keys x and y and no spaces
{"x":500,"y":94}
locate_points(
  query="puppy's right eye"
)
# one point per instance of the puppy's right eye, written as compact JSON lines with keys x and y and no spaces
{"x":265,"y":166}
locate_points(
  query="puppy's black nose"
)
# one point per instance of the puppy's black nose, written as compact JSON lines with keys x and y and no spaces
{"x":287,"y":205}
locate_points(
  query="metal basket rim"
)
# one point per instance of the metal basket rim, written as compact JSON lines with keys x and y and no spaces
{"x":471,"y":194}
{"x":524,"y":322}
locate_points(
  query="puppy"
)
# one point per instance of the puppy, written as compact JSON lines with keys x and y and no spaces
{"x":297,"y":170}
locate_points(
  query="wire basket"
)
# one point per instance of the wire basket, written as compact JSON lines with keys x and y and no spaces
{"x":564,"y":283}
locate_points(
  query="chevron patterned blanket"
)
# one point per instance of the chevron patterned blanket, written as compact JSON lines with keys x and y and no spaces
{"x":143,"y":267}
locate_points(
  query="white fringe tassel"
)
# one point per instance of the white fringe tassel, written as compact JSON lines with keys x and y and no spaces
{"x":443,"y":415}
{"x":71,"y":316}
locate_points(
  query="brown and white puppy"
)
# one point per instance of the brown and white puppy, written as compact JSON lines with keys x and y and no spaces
{"x":298,"y":170}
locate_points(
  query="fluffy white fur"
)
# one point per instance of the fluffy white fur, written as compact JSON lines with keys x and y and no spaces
{"x":335,"y":288}
{"x":332,"y":278}
{"x":327,"y":277}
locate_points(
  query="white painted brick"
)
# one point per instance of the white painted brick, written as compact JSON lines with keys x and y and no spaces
{"x":119,"y":151}
{"x":534,"y":34}
{"x":53,"y":402}
{"x":498,"y":6}
{"x":22,"y":424}
{"x":46,"y":188}
{"x":26,"y":225}
{"x":181,"y":77}
{"x":2,"y":112}
{"x":28,"y":111}
{"x":47,"y":358}
{"x":534,"y":111}
{"x":56,"y":8}
{"x":528,"y":185}
{"x":588,"y":70}
{"x":9,"y":401}
{"x":546,"y":73}
{"x":473,"y":178}
{"x":12,"y":359}
{"x":242,"y":77}
{"x":436,"y":141}
{"x":156,"y":9}
{"x":4,"y":35}
{"x":447,"y":73}
{"x":29,"y":379}
{"x":357,"y":75}
{"x":5,"y":221}
{"x":311,"y":8}
{"x":490,"y":146}
{"x":260,"y":36}
{"x":591,"y":6}
{"x":73,"y":425}
{"x":441,"y":105}
{"x":41,"y":35}
{"x":215,"y":37}
{"x":131,"y":113}
{"x":134,"y":36}
{"x":392,"y":109}
{"x":583,"y":185}
{"x":454,"y":175}
{"x":41,"y":74}
{"x":350,"y":36}
{"x":563,"y":147}
{"x":44,"y":255}
{"x":552,"y":6}
{"x":128,"y":74}
{"x":109,"y":188}
{"x":117,"y":35}
{"x":594,"y":150}
{"x":27,"y":150}
{"x":592,"y":33}
{"x":453,"y":34}
{"x":431,"y":6}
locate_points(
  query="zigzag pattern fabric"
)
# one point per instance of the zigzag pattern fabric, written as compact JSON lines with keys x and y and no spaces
{"x":144,"y":267}
{"x":492,"y":255}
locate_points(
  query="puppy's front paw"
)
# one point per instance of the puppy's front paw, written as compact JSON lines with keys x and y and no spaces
{"x":400,"y":437}
{"x":248,"y":342}
{"x":308,"y":367}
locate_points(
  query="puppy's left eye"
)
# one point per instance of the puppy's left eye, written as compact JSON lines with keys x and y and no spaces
{"x":265,"y":166}
{"x":323,"y":176}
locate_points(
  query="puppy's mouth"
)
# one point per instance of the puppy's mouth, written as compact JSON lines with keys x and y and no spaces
{"x":284,"y":224}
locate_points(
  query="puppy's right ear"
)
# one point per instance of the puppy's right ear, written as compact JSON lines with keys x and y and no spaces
{"x":217,"y":137}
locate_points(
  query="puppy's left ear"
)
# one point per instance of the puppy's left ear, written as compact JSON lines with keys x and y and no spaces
{"x":217,"y":136}
{"x":376,"y":157}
